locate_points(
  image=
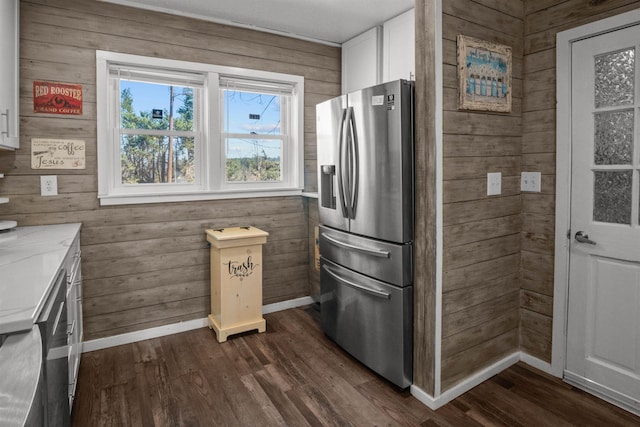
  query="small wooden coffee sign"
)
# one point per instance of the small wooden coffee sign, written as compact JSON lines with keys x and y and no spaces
{"x":57,"y":154}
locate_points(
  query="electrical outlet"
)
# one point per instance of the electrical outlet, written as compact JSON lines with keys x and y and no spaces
{"x":494,"y":183}
{"x":530,"y":181}
{"x":49,"y":185}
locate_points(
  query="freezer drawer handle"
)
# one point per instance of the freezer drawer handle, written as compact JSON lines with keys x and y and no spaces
{"x":373,"y":292}
{"x":374,"y":252}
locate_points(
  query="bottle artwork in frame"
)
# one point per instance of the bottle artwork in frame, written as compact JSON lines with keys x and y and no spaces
{"x":484,"y":75}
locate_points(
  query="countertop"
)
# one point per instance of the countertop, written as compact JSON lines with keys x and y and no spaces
{"x":30,"y":258}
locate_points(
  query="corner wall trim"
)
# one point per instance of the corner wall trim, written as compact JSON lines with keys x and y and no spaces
{"x":160,"y":331}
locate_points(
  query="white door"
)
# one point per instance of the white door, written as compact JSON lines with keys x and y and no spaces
{"x":603,"y":324}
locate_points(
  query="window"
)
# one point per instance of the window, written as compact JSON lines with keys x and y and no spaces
{"x":173,"y":130}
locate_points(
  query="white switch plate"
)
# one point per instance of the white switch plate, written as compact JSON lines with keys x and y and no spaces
{"x":494,"y":183}
{"x":49,"y":185}
{"x":530,"y":181}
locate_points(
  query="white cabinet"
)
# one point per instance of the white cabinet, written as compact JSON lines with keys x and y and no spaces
{"x":72,"y":265}
{"x":361,"y":61}
{"x":380,"y":55}
{"x":9,"y":73}
{"x":398,"y":48}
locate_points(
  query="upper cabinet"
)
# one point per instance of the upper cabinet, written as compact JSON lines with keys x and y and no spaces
{"x":360,"y":61}
{"x":380,"y":55}
{"x":9,"y":73}
{"x":398,"y":52}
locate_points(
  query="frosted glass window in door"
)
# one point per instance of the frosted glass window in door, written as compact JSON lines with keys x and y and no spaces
{"x":612,"y":196}
{"x":613,"y":137}
{"x":614,"y":78}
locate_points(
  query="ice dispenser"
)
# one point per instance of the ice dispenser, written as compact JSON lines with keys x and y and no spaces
{"x":327,"y":195}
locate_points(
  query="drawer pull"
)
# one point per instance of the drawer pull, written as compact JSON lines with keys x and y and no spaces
{"x":71,"y":328}
{"x":57,"y":321}
{"x":368,"y":251}
{"x":371,"y":291}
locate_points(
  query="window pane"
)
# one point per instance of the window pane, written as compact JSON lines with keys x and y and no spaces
{"x":147,"y":159}
{"x":145,"y":105}
{"x":253,"y":160}
{"x":612,"y":197}
{"x":251,"y":113}
{"x":614,"y":79}
{"x":613,"y":137}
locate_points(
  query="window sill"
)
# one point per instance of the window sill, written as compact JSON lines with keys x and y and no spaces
{"x":134,"y":199}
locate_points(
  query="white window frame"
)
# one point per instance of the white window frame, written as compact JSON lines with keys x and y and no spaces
{"x":209,"y":154}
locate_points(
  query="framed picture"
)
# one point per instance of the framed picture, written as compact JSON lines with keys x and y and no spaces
{"x":484,"y":75}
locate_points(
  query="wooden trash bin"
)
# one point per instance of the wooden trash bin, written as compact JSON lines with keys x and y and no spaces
{"x":236,"y":280}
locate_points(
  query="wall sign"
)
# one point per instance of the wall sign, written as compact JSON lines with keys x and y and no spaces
{"x":57,"y":98}
{"x":57,"y":154}
{"x":484,"y":75}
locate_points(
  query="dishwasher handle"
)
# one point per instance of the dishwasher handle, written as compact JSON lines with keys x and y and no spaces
{"x":369,"y":251}
{"x":373,"y":292}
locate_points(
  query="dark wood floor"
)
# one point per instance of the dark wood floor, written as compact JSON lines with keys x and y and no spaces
{"x":292,"y":375}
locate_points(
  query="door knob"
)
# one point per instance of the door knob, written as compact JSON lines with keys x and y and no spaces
{"x":584,"y":238}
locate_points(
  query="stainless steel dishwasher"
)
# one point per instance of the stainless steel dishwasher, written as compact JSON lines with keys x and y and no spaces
{"x":53,"y":328}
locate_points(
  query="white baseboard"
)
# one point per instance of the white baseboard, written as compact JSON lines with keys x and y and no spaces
{"x":446,"y":397}
{"x":536,"y":363}
{"x":145,"y":334}
{"x":424,"y":397}
{"x":292,"y":303}
{"x":160,"y":331}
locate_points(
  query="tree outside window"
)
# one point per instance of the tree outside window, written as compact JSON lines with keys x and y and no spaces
{"x":156,"y":144}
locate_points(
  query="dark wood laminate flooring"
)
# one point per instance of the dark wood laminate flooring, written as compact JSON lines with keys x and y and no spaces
{"x":292,"y":375}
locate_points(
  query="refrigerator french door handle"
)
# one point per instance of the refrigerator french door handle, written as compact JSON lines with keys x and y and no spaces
{"x":370,"y":291}
{"x":375,"y":252}
{"x":355,"y":165}
{"x":348,"y":168}
{"x":341,"y":164}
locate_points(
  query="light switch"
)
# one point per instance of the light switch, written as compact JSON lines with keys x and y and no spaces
{"x":530,"y":181}
{"x":494,"y":183}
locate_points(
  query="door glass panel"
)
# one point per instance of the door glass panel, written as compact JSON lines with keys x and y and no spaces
{"x":613,"y":137}
{"x":612,"y":196}
{"x":614,"y":78}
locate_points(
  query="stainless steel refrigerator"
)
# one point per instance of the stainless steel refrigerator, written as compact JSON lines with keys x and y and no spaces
{"x":365,"y":180}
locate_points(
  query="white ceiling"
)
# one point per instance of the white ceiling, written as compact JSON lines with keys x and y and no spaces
{"x":328,"y":21}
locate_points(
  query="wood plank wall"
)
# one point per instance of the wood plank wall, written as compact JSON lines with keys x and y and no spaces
{"x":148,"y":265}
{"x":424,"y":292}
{"x":543,"y":20}
{"x":481,"y":253}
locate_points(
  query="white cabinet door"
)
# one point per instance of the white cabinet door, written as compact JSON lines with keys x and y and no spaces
{"x":398,"y":57}
{"x":74,"y":315}
{"x":361,"y":61}
{"x":9,"y":72}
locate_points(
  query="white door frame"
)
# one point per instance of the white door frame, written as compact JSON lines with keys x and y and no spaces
{"x":564,"y":43}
